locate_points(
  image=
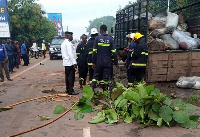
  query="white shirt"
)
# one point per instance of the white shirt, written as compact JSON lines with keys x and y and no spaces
{"x":68,"y":53}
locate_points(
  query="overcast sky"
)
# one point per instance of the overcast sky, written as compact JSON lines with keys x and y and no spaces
{"x":76,"y":14}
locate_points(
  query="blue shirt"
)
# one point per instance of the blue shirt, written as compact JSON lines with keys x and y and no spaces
{"x":2,"y":53}
{"x":132,"y":46}
{"x":23,"y":49}
{"x":9,"y":49}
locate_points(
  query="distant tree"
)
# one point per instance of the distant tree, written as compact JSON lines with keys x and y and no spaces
{"x":28,"y":22}
{"x":109,"y":21}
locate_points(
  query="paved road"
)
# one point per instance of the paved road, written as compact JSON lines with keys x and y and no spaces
{"x":29,"y":82}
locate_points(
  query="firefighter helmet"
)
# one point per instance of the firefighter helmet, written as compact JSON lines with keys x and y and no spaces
{"x":132,"y":35}
{"x":94,"y":31}
{"x":138,"y":35}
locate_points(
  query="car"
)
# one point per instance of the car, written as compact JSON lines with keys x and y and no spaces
{"x":55,"y":47}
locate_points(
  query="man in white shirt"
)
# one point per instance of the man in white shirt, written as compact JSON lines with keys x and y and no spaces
{"x":69,"y":62}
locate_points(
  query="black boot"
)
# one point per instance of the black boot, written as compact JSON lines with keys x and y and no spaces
{"x":72,"y":92}
{"x":81,"y":83}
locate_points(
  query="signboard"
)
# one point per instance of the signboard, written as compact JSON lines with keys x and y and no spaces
{"x":4,"y":20}
{"x":56,"y":18}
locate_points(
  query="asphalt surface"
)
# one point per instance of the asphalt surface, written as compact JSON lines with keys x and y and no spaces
{"x":29,"y":82}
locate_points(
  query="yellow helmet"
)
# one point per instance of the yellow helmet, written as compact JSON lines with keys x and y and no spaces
{"x":138,"y":35}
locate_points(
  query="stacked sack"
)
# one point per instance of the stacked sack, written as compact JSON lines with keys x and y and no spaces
{"x":169,"y":31}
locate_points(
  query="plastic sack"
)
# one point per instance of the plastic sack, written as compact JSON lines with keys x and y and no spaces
{"x":170,"y":41}
{"x":184,"y":41}
{"x":157,"y":23}
{"x":188,"y":82}
{"x":158,"y":32}
{"x":157,"y":45}
{"x":172,"y":20}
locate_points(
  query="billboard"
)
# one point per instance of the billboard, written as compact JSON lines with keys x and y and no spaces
{"x":4,"y":20}
{"x":56,"y":18}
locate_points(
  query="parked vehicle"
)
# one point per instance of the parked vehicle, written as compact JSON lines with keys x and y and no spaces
{"x":55,"y":47}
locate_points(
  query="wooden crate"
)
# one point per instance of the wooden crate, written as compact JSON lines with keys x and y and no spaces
{"x":170,"y":65}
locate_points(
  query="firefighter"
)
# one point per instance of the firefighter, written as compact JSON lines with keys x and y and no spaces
{"x":138,"y":60}
{"x":103,"y":51}
{"x":82,"y":60}
{"x":89,"y":47}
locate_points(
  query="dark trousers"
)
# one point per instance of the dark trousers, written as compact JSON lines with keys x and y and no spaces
{"x":136,"y":74}
{"x":10,"y":63}
{"x":15,"y":62}
{"x":83,"y":70}
{"x":25,"y":58}
{"x":4,"y":65}
{"x":91,"y":73}
{"x":69,"y":77}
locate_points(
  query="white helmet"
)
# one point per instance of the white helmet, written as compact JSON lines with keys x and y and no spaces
{"x":94,"y":31}
{"x":132,"y":35}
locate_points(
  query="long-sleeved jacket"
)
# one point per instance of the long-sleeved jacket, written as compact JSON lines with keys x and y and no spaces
{"x":89,"y":50}
{"x":68,"y":53}
{"x":9,"y":49}
{"x":139,"y":56}
{"x":81,"y":54}
{"x":103,"y":50}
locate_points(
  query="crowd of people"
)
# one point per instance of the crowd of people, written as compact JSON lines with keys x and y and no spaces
{"x":11,"y":55}
{"x":97,"y":56}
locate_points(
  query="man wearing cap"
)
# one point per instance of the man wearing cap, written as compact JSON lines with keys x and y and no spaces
{"x":89,"y":50}
{"x":69,"y":62}
{"x":82,"y":60}
{"x":138,"y":59}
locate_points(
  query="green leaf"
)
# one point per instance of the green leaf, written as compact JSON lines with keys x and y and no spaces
{"x":190,"y":107}
{"x":142,"y":91}
{"x":122,"y":103}
{"x":149,"y":88}
{"x":58,"y":109}
{"x":118,"y":100}
{"x":142,"y":113}
{"x":166,"y":113}
{"x":156,"y":106}
{"x":159,"y":122}
{"x":128,"y":119}
{"x":111,"y":115}
{"x":177,"y":103}
{"x":78,"y":116}
{"x":181,"y":116}
{"x":155,"y":92}
{"x":136,"y":110}
{"x":194,"y":118}
{"x":99,"y":118}
{"x":167,"y":102}
{"x":132,"y":95}
{"x":86,"y":109}
{"x":189,"y":124}
{"x":152,"y":115}
{"x":117,"y":92}
{"x":88,"y":92}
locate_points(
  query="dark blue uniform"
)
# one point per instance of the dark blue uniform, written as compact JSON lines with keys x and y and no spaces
{"x":103,"y":52}
{"x":82,"y":62}
{"x":138,"y":63}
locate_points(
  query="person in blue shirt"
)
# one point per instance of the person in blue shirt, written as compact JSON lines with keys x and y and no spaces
{"x":24,"y":54}
{"x":10,"y":55}
{"x":3,"y":63}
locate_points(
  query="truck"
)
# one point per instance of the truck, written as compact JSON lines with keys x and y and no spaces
{"x":162,"y":65}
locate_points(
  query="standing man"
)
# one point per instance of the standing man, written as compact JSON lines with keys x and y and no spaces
{"x":82,"y":60}
{"x":103,"y":51}
{"x":35,"y":49}
{"x":3,"y":63}
{"x":24,"y":54}
{"x":89,"y":50}
{"x":69,"y":62}
{"x":15,"y":61}
{"x":138,"y":59}
{"x":10,"y":55}
{"x":44,"y":49}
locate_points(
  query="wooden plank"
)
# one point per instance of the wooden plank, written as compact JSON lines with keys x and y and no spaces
{"x":172,"y":71}
{"x":155,"y":78}
{"x":195,"y":55}
{"x":175,"y":77}
{"x":155,"y":71}
{"x":179,"y":56}
{"x":195,"y":74}
{"x":157,"y":64}
{"x":155,"y":57}
{"x":196,"y":63}
{"x":179,"y":63}
{"x":195,"y":70}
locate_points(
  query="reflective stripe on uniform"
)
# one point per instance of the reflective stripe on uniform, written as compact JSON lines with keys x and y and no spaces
{"x":78,"y":53}
{"x":113,"y":51}
{"x":95,"y":50}
{"x":90,"y":52}
{"x":106,"y":82}
{"x":138,"y":64}
{"x":94,"y":80}
{"x":104,"y":44}
{"x":145,"y":53}
{"x":89,"y":64}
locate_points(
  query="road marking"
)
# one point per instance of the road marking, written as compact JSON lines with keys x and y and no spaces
{"x":86,"y":132}
{"x":25,"y":70}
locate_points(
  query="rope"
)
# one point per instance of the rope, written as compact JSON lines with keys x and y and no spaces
{"x":53,"y":99}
